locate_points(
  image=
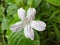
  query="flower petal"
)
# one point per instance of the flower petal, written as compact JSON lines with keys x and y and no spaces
{"x":21,"y":13}
{"x":38,"y":25}
{"x":28,"y":31}
{"x":31,"y":13}
{"x":17,"y":26}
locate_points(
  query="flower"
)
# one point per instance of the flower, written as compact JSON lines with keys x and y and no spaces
{"x":28,"y":23}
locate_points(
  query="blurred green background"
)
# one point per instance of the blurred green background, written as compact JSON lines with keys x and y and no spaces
{"x":47,"y":11}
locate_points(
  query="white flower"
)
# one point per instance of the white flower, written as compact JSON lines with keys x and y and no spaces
{"x":28,"y":23}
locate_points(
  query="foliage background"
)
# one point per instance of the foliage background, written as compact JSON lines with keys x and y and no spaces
{"x":47,"y":11}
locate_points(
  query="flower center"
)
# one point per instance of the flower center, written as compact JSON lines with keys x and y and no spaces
{"x":26,"y":21}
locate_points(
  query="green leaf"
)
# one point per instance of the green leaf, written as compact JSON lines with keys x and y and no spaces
{"x":1,"y":43}
{"x":14,"y":19}
{"x":57,"y":20}
{"x":19,"y":38}
{"x":0,"y":19}
{"x":53,"y":16}
{"x":56,"y":32}
{"x":30,"y":2}
{"x":12,"y":9}
{"x":33,"y":3}
{"x":37,"y":2}
{"x":19,"y":2}
{"x":1,"y":10}
{"x":54,"y":2}
{"x":5,"y":24}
